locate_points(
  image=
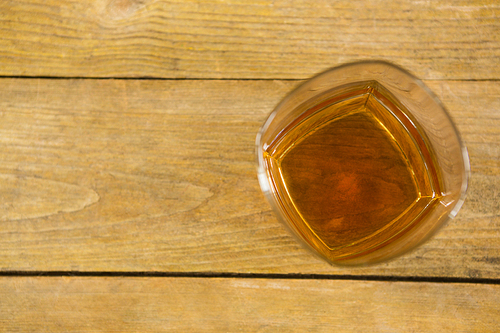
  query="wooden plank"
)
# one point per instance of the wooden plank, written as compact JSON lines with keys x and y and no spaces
{"x":158,"y":175}
{"x":241,"y":39}
{"x":76,"y":304}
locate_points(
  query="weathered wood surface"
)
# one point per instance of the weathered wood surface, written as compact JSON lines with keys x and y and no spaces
{"x":78,"y":304}
{"x":159,"y":175}
{"x":241,"y":39}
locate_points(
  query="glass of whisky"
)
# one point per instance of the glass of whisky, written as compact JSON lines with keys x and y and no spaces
{"x":362,"y":163}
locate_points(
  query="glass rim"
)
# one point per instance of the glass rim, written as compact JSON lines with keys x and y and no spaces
{"x":262,"y":174}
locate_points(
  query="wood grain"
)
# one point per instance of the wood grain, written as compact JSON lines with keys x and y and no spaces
{"x":30,"y":197}
{"x":159,"y":175}
{"x":243,"y":305}
{"x":240,"y":39}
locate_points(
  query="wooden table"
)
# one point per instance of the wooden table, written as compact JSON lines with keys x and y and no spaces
{"x":129,"y":194}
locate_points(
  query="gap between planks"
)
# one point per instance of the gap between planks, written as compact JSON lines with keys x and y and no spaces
{"x":131,"y":78}
{"x":211,"y":275}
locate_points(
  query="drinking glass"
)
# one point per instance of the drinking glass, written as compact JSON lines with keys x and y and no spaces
{"x":362,"y":162}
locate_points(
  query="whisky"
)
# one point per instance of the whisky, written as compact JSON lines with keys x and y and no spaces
{"x":362,"y":162}
{"x":354,"y":172}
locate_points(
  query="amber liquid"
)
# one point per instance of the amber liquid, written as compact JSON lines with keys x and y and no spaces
{"x":353,"y":172}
